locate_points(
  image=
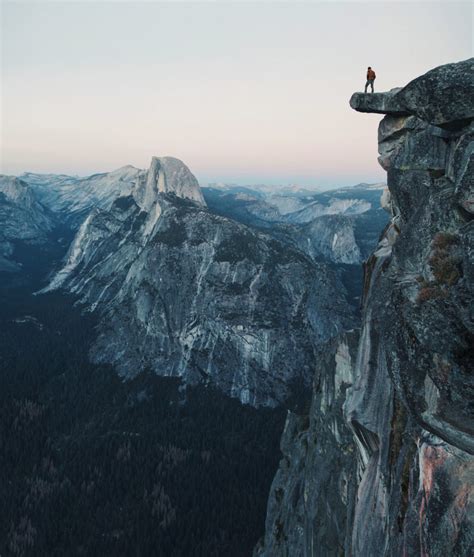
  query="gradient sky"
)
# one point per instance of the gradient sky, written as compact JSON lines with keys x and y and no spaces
{"x":242,"y":92}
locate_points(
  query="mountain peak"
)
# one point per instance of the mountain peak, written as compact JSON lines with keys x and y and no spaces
{"x":166,"y":175}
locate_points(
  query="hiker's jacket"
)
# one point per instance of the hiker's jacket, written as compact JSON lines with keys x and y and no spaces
{"x":370,"y":75}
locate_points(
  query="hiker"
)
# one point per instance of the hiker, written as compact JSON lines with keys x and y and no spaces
{"x":370,"y":79}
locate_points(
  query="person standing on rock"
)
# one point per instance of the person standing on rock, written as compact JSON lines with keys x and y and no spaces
{"x":370,"y":79}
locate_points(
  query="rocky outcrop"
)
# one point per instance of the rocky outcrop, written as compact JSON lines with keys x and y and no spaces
{"x":379,"y":103}
{"x":442,"y":97}
{"x":449,"y":91}
{"x":410,"y":401}
{"x":187,"y":293}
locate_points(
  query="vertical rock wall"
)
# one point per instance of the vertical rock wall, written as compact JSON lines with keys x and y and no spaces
{"x":312,"y":496}
{"x":408,"y":463}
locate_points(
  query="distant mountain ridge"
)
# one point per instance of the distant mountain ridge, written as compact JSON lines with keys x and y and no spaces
{"x":23,"y":218}
{"x":186,"y":291}
{"x":339,"y":225}
{"x":72,"y":198}
{"x":340,"y":238}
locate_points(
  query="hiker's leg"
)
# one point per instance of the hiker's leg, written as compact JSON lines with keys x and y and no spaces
{"x":366,"y":84}
{"x":372,"y":85}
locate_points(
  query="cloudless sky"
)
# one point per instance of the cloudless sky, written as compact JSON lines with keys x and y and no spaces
{"x":241,"y":92}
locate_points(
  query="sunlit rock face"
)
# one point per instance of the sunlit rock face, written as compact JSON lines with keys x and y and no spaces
{"x":409,"y":402}
{"x":187,"y":293}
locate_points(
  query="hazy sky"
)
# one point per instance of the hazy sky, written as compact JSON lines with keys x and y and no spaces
{"x":242,"y":92}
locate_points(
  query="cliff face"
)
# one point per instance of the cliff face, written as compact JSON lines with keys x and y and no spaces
{"x":403,"y":477}
{"x":311,"y":500}
{"x":190,"y":294}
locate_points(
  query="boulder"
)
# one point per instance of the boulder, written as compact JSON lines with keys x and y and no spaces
{"x":443,"y":96}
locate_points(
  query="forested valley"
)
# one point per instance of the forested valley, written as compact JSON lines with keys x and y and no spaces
{"x":93,"y":465}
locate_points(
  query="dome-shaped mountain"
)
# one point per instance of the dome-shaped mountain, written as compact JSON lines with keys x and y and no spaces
{"x":188,"y":293}
{"x":166,"y":175}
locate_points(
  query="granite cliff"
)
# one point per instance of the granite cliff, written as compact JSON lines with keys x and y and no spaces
{"x":381,"y":464}
{"x":191,"y":294}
